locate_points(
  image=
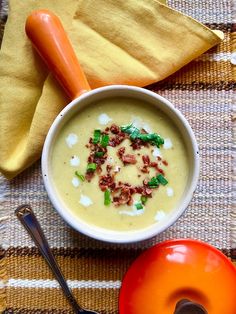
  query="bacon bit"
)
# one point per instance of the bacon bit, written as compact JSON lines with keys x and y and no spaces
{"x":144,"y":169}
{"x":116,"y":140}
{"x":139,"y":189}
{"x":127,"y":184}
{"x":121,"y":152}
{"x":98,"y":160}
{"x":112,"y":186}
{"x":90,"y":158}
{"x":108,"y":168}
{"x":147,"y":191}
{"x":115,"y":129}
{"x":137,"y":144}
{"x":146,"y":160}
{"x":99,"y":148}
{"x":87,"y":145}
{"x":159,"y":158}
{"x":165,"y":162}
{"x":129,"y":159}
{"x":105,"y":182}
{"x":161,"y":171}
{"x":130,"y":202}
{"x":89,"y":175}
{"x":125,"y":196}
{"x":153,"y":164}
{"x":107,"y":129}
{"x":143,"y":190}
{"x":99,"y":169}
{"x":90,"y":140}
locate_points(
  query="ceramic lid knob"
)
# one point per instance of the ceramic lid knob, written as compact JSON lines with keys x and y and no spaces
{"x":188,"y":307}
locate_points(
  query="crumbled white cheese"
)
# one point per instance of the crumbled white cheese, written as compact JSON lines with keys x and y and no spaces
{"x":156,"y":152}
{"x":75,"y":181}
{"x":74,"y":161}
{"x":160,"y":215}
{"x":71,"y":140}
{"x":167,"y":143}
{"x":110,"y":160}
{"x":117,"y":169}
{"x":85,"y":200}
{"x":104,"y":119}
{"x":170,"y":192}
{"x":134,"y":211}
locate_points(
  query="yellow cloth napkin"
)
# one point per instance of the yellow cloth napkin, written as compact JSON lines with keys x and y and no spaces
{"x":135,"y":42}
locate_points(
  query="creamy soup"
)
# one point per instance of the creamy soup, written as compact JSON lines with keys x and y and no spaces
{"x":120,"y":164}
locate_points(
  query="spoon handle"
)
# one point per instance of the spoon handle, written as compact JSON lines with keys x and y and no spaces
{"x":26,"y":216}
{"x":48,"y":36}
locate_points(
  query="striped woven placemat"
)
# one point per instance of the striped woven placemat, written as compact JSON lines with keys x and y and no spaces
{"x":204,"y":92}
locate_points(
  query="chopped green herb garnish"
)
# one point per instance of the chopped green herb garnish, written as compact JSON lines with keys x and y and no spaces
{"x":107,"y":197}
{"x":143,"y":199}
{"x":99,"y":154}
{"x":157,"y":140}
{"x":162,"y":179}
{"x":91,"y":167}
{"x":145,"y":137}
{"x":153,"y":183}
{"x":139,"y":206}
{"x":80,"y":176}
{"x":129,"y":129}
{"x":135,"y":133}
{"x":105,"y":140}
{"x":151,"y":137}
{"x":96,"y":136}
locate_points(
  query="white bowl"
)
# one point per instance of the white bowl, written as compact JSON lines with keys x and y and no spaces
{"x":132,"y":92}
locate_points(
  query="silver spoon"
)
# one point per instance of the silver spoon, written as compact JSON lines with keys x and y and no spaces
{"x":26,"y":216}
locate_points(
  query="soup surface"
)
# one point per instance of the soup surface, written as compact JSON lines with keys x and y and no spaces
{"x":120,"y":164}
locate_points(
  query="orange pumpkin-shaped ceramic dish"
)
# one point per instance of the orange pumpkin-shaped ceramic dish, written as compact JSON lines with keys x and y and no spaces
{"x":175,"y":270}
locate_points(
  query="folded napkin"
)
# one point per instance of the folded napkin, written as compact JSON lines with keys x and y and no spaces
{"x":117,"y":42}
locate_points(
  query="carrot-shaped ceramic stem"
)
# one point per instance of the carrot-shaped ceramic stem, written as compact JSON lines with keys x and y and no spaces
{"x":49,"y":38}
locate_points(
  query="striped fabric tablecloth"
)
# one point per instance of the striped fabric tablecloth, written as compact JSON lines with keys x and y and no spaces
{"x":204,"y":92}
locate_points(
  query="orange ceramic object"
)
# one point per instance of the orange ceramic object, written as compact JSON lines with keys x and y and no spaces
{"x":41,"y":26}
{"x":175,"y":270}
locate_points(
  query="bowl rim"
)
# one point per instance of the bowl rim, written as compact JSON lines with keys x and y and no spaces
{"x":103,"y":234}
